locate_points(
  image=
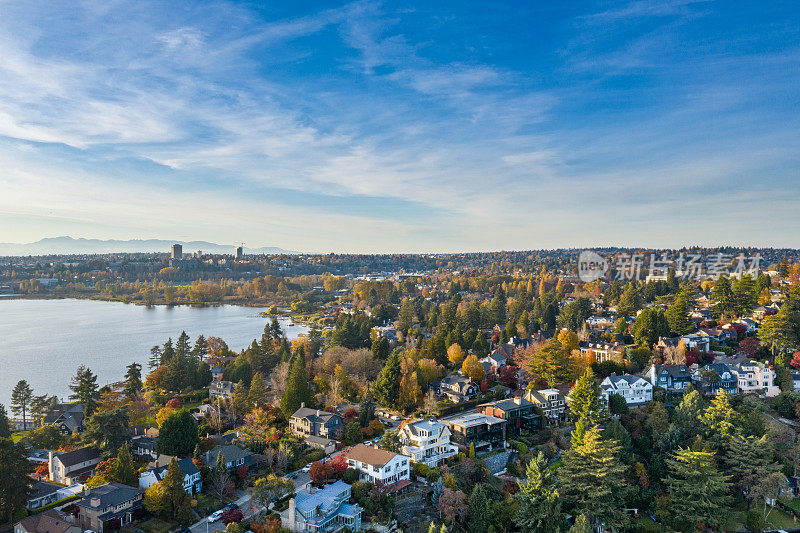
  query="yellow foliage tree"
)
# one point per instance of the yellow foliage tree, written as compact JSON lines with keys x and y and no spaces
{"x":455,"y":354}
{"x":473,"y":368}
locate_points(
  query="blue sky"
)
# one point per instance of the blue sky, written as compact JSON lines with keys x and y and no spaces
{"x":398,"y":126}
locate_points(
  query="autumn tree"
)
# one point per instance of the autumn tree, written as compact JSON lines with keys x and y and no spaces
{"x":473,"y":368}
{"x":455,"y":354}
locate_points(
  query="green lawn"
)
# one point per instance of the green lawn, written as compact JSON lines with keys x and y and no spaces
{"x":777,"y":519}
{"x":157,"y":525}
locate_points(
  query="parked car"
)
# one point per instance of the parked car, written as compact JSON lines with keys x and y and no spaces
{"x":395,"y":417}
{"x":306,"y":469}
{"x":232,"y":505}
{"x":291,"y":476}
{"x":216,"y":515}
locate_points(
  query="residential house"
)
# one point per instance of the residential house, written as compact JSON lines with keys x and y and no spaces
{"x":426,"y":441}
{"x":67,"y":417}
{"x":550,"y":401}
{"x":482,"y":431}
{"x":221,"y":389}
{"x":69,"y":467}
{"x":192,"y":481}
{"x":603,"y":351}
{"x":699,"y":342}
{"x":517,"y":412}
{"x":323,"y":511}
{"x":144,"y":447}
{"x":458,"y":388}
{"x":389,"y":469}
{"x":635,"y":389}
{"x":493,"y":362}
{"x":42,"y":493}
{"x":50,"y":521}
{"x":109,"y":506}
{"x":216,"y":373}
{"x":795,"y":380}
{"x":710,"y":378}
{"x":316,"y":423}
{"x":673,"y":378}
{"x":756,"y":377}
{"x":232,"y":456}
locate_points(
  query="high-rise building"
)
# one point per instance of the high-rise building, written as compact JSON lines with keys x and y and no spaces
{"x":177,"y":251}
{"x":239,"y":253}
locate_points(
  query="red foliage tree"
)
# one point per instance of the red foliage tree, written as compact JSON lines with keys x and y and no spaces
{"x":230,"y":488}
{"x":338,"y":463}
{"x":795,"y":363}
{"x":43,"y":470}
{"x":350,"y":415}
{"x":320,"y":472}
{"x":241,"y":471}
{"x":484,"y":386}
{"x":174,"y":403}
{"x":508,"y":375}
{"x":231,"y":515}
{"x":749,"y":346}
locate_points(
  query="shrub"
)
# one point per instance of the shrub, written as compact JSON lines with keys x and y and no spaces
{"x":231,"y":515}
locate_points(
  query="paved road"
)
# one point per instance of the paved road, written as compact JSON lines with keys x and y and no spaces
{"x":248,"y":509}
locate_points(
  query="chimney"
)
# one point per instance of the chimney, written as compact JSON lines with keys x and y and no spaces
{"x":302,"y":404}
{"x":317,"y":412}
{"x":518,"y":400}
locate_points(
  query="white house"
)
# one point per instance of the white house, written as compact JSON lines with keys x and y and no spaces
{"x":69,"y":467}
{"x":192,"y":481}
{"x":426,"y":441}
{"x":376,"y":465}
{"x":755,"y":377}
{"x":635,"y":389}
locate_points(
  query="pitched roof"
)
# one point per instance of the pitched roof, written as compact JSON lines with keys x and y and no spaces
{"x":42,"y":489}
{"x":229,"y":453}
{"x":313,"y":415}
{"x":369,"y":455}
{"x":187,"y":466}
{"x":109,"y":494}
{"x":78,"y":456}
{"x":510,"y":404}
{"x":50,"y":521}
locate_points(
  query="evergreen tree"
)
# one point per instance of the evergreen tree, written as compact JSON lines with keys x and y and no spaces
{"x":747,"y":461}
{"x":177,"y":434}
{"x":5,"y":427}
{"x":630,"y":301}
{"x":257,"y":396}
{"x":200,"y":350}
{"x":678,"y":316}
{"x":133,"y":380}
{"x":124,"y":471}
{"x":539,"y":502}
{"x":720,"y":418}
{"x":722,"y":296}
{"x":21,"y":397}
{"x":387,"y":385}
{"x":297,"y":387}
{"x":14,"y":472}
{"x":108,"y":430}
{"x":551,"y":363}
{"x":202,"y":376}
{"x":497,"y":307}
{"x":592,"y":478}
{"x":406,"y":316}
{"x":478,"y":510}
{"x":585,"y":398}
{"x":177,"y":501}
{"x":84,"y":390}
{"x":155,"y":357}
{"x":381,"y":348}
{"x":697,"y":488}
{"x":479,"y":346}
{"x":168,"y":352}
{"x":438,"y":489}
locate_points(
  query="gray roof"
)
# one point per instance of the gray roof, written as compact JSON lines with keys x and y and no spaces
{"x":79,"y":456}
{"x":186,"y":465}
{"x":510,"y":404}
{"x":630,"y":378}
{"x":42,"y":489}
{"x":230,"y":453}
{"x":314,"y":415}
{"x":109,"y":494}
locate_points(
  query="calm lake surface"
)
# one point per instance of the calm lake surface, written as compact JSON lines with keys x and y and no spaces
{"x":44,"y":341}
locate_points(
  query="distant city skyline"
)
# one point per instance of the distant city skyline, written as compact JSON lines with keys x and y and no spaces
{"x":402,"y":127}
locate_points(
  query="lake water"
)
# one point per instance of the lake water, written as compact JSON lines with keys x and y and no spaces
{"x":44,"y":341}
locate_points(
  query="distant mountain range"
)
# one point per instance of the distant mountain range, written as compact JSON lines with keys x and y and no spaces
{"x":68,"y":245}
